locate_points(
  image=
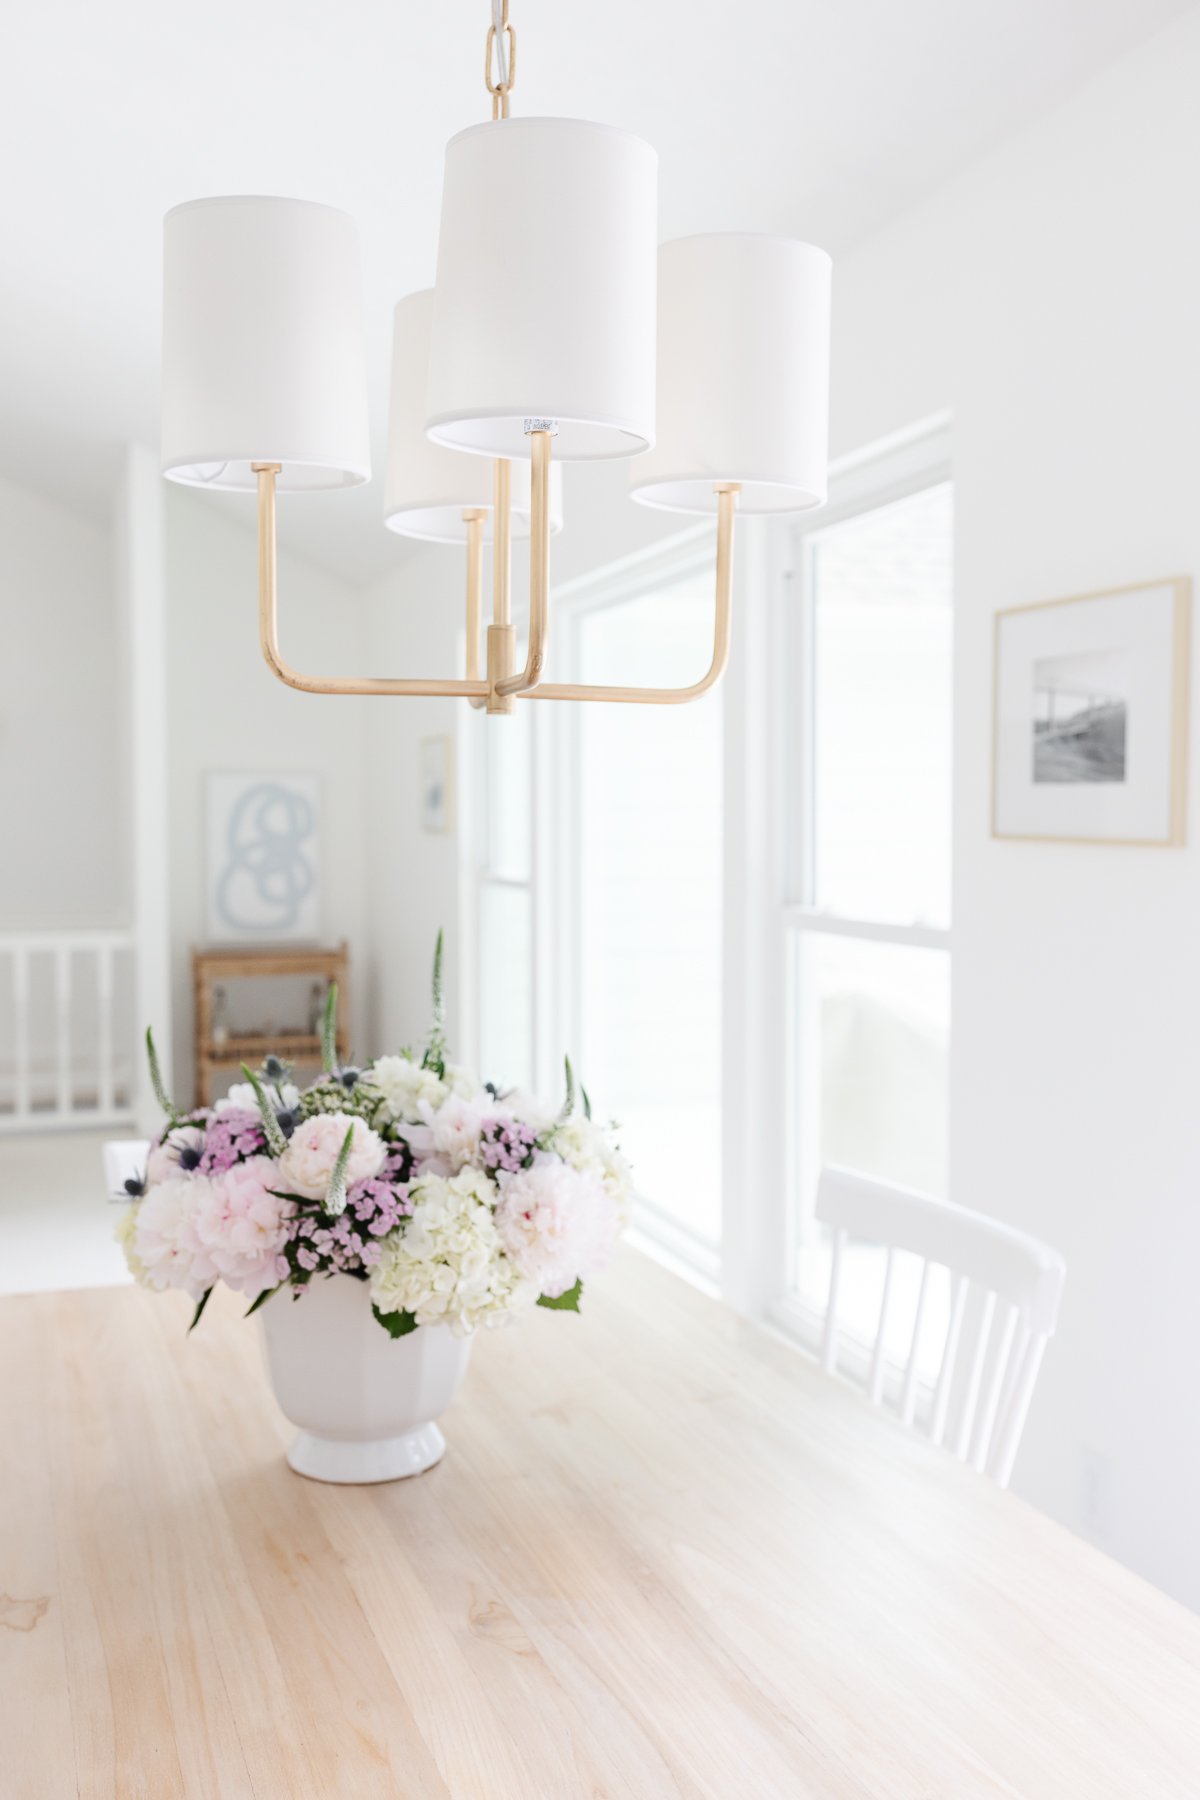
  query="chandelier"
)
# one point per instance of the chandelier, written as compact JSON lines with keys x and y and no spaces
{"x":558,"y":331}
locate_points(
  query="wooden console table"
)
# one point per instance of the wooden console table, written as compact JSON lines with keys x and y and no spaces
{"x":665,"y":1558}
{"x":213,"y":968}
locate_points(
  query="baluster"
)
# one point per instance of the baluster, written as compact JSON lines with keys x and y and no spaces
{"x":1013,"y":1371}
{"x":829,"y":1341}
{"x":971,"y":1397}
{"x":22,"y":1098}
{"x":876,"y":1389}
{"x":1009,"y":1435}
{"x":908,"y":1401}
{"x":105,"y":1089}
{"x":941,"y":1401}
{"x":991,"y":1400}
{"x":62,"y":1014}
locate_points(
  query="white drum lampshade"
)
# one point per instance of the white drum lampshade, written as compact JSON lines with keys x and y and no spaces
{"x":544,"y":305}
{"x":263,"y":350}
{"x":428,"y":488}
{"x":743,"y":375}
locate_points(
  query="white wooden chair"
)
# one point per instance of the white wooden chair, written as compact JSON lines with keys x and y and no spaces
{"x":124,"y":1159}
{"x":1019,"y":1283}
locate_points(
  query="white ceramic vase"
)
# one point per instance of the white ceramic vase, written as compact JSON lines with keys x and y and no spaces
{"x":366,"y":1404}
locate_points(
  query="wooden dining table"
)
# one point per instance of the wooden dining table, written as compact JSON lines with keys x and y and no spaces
{"x":663,"y":1556}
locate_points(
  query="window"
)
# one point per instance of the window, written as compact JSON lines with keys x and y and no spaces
{"x":619,"y":885}
{"x":616,"y":916}
{"x":869,"y":839}
{"x":505,"y":899}
{"x":648,"y":897}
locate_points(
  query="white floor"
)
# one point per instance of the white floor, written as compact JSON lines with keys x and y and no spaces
{"x":56,"y":1220}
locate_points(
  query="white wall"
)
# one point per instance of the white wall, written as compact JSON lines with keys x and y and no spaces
{"x":139,"y":563}
{"x":1050,"y":298}
{"x":60,"y":736}
{"x":413,"y":620}
{"x":227,"y":711}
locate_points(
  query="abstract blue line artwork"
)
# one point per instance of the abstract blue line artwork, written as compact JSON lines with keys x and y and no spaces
{"x":262,"y":868}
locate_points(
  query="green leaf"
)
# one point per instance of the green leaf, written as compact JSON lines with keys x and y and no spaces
{"x":203,"y":1301}
{"x":276,"y":1142}
{"x":439,"y":995}
{"x":569,"y":1102}
{"x":396,"y":1324}
{"x":156,"y":1080}
{"x":435,"y":1049}
{"x":335,"y":1199}
{"x":568,"y":1302}
{"x":261,"y":1301}
{"x":329,"y":1055}
{"x":587,"y":1105}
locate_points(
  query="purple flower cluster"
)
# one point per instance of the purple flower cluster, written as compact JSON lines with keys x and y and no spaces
{"x":506,"y":1144}
{"x":351,"y":1242}
{"x":230,"y":1137}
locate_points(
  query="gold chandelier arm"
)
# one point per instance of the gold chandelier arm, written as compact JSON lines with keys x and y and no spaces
{"x":651,"y":696}
{"x":268,"y":623}
{"x":474,"y":521}
{"x":539,"y":571}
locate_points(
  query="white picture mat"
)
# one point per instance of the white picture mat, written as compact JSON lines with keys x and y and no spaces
{"x":262,"y":867}
{"x":1142,"y":625}
{"x":437,"y":785}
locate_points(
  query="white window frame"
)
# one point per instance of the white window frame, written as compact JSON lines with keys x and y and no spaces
{"x":865,"y":483}
{"x":762,"y":1143}
{"x":554,"y":763}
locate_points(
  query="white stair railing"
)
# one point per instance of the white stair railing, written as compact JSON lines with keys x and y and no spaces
{"x":67,"y":1050}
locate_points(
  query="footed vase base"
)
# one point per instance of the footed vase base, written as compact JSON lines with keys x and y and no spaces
{"x":378,"y":1459}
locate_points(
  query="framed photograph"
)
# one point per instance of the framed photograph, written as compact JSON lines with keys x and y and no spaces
{"x":1090,"y":722}
{"x":437,"y":785}
{"x":263,"y":859}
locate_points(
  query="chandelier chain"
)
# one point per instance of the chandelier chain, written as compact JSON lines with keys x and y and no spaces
{"x":501,"y":50}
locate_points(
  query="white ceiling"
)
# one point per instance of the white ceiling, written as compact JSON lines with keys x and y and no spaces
{"x":767,"y":114}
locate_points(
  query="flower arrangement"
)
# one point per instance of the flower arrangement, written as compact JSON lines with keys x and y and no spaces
{"x":457,"y":1204}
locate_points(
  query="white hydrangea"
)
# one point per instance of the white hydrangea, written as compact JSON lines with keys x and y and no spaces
{"x":406,"y":1087}
{"x":242,"y":1098}
{"x":446,"y":1265}
{"x":411,"y":1093}
{"x":528,"y":1109}
{"x":464,"y":1082}
{"x":123,"y":1231}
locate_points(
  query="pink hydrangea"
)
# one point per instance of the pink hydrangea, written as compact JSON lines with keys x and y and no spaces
{"x":557,"y":1224}
{"x":505,"y":1143}
{"x":307,"y":1164}
{"x":232,"y":1135}
{"x":164,"y":1236}
{"x":241,"y":1226}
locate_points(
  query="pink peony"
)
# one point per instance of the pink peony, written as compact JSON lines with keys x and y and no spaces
{"x":307,"y":1164}
{"x":556,"y":1223}
{"x":164,"y":1236}
{"x":448,"y":1136}
{"x":241,"y":1226}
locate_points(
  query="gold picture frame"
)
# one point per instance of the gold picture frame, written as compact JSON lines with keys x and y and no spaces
{"x":1057,"y":783}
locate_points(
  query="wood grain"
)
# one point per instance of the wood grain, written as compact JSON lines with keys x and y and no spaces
{"x":664,"y":1556}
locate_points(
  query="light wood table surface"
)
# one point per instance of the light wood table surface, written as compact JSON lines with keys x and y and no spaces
{"x":664,"y":1556}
